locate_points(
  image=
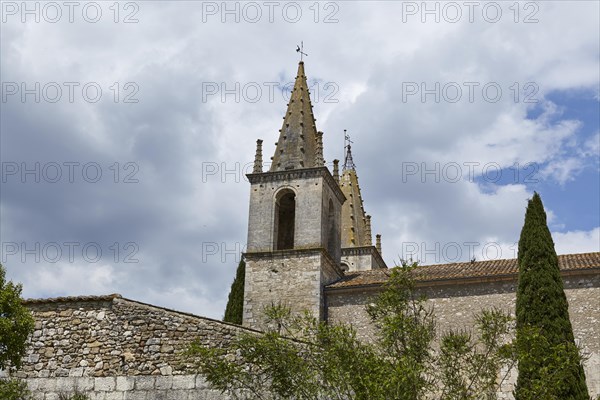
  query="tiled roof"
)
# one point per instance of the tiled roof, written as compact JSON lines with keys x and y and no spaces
{"x":480,"y":269}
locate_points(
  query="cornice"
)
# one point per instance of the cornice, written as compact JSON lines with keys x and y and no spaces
{"x":363,"y":250}
{"x":302,"y":173}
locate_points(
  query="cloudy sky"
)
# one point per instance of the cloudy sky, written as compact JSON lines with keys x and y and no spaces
{"x":127,"y":129}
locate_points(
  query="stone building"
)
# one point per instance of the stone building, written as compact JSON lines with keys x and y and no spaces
{"x":309,"y":247}
{"x":301,"y":222}
{"x":458,"y":291}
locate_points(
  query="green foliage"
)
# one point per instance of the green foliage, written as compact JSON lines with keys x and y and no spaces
{"x":405,"y":330}
{"x":13,"y":389}
{"x":300,"y":357}
{"x":549,"y":363}
{"x":235,"y":303}
{"x":469,"y":369}
{"x":74,"y":396}
{"x":299,"y":365}
{"x":558,"y":366}
{"x":16,"y":324}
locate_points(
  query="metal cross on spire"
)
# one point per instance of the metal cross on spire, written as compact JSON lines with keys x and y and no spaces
{"x":300,"y":49}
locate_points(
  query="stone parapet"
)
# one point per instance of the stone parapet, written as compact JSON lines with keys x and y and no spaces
{"x":180,"y":387}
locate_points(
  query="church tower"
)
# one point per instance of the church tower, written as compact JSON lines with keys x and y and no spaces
{"x":294,"y":227}
{"x":358,"y":252}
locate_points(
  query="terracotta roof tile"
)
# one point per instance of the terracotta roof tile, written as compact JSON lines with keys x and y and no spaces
{"x":479,"y":269}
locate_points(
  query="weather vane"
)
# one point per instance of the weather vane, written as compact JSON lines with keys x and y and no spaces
{"x":347,"y":140}
{"x":300,"y":49}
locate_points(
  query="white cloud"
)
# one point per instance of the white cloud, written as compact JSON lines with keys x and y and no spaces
{"x":173,"y":135}
{"x":577,"y":241}
{"x":51,"y":280}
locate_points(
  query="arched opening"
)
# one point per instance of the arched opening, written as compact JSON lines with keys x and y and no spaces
{"x":331,"y":236}
{"x":285,"y":220}
{"x":344,"y":267}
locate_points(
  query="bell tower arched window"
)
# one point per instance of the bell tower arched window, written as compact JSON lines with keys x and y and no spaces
{"x":285,"y":220}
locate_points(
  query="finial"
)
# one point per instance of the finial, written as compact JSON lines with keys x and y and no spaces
{"x":300,"y":49}
{"x":258,"y":167}
{"x":378,"y":243}
{"x":336,"y":171}
{"x":319,"y":150}
{"x":368,"y":237}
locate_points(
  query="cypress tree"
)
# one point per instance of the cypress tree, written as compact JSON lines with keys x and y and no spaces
{"x":235,"y":303}
{"x":549,"y":363}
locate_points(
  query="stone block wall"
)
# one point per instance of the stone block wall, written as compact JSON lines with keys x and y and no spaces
{"x":293,"y":278}
{"x":143,"y":387}
{"x":362,"y":258}
{"x":115,"y":348}
{"x":314,"y":187}
{"x":456,"y":303}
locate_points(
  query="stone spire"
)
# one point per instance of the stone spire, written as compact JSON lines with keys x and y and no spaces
{"x":356,"y":225}
{"x":378,"y":243}
{"x":258,"y":161}
{"x":297,"y":144}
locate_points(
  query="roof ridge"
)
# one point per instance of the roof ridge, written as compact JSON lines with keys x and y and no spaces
{"x":64,"y":299}
{"x":488,"y":269}
{"x":110,"y":297}
{"x":505,"y":260}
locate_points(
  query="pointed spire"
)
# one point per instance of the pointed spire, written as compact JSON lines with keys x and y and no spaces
{"x":297,"y":144}
{"x":319,"y":161}
{"x":378,"y":243}
{"x":356,"y":224}
{"x":258,"y":161}
{"x":348,"y":161}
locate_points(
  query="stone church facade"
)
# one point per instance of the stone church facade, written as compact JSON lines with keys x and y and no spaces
{"x":309,"y":247}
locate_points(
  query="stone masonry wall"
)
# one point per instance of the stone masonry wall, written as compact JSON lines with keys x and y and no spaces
{"x":456,"y":304}
{"x":313,"y":189}
{"x":143,"y":387}
{"x":294,"y":278}
{"x":114,"y":348}
{"x":362,"y":258}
